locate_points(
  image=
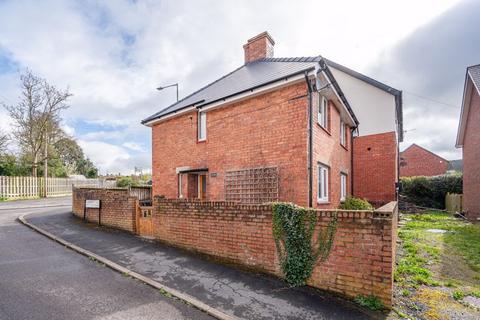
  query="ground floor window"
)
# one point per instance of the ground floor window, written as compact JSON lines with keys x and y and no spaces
{"x":322,"y":193}
{"x":343,"y":186}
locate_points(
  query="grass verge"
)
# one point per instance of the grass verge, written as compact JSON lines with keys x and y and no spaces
{"x":438,"y":266}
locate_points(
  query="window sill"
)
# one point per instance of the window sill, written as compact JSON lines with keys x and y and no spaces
{"x":324,"y":129}
{"x":202,"y":141}
{"x":323,"y":202}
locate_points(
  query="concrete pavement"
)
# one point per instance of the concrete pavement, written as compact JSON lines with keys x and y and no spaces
{"x":40,"y":279}
{"x":232,"y":291}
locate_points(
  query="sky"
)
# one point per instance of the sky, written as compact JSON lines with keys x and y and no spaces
{"x":113,"y":54}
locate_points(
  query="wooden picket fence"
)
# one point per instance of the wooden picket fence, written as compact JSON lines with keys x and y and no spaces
{"x":32,"y":187}
{"x":453,"y":202}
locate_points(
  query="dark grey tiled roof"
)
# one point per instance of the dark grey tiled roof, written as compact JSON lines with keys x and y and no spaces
{"x":475,"y":74}
{"x":242,"y":79}
{"x":262,"y":72}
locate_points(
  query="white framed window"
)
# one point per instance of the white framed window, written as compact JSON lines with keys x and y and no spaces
{"x":323,"y":111}
{"x":343,"y":186}
{"x":322,"y":188}
{"x":202,"y":126}
{"x":343,"y":133}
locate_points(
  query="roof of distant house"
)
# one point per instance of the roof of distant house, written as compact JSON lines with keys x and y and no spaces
{"x":416,"y":145}
{"x":261,"y":73}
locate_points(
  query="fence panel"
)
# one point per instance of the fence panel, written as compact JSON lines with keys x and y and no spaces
{"x":142,"y":193}
{"x":453,"y":202}
{"x":30,"y":187}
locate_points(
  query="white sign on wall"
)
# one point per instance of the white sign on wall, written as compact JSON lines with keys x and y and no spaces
{"x":92,"y":204}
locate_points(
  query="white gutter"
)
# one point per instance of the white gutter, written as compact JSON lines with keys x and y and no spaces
{"x":169,"y":116}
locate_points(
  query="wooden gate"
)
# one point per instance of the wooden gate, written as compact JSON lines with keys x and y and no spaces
{"x":144,"y":221}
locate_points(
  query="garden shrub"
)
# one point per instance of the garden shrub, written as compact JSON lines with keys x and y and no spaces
{"x":352,"y":203}
{"x":430,"y":191}
{"x":293,"y":229}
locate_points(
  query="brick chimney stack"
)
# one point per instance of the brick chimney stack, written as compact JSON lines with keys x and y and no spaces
{"x":259,"y":47}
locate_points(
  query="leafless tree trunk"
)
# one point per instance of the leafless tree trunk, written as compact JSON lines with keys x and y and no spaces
{"x":37,"y":116}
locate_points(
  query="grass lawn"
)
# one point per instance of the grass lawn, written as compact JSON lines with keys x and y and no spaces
{"x":438,"y":268}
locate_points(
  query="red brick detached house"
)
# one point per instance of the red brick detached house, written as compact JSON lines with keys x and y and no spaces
{"x":418,"y":161}
{"x":305,"y":130}
{"x":468,"y":138}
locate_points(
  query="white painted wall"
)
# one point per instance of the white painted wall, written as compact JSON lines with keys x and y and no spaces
{"x":374,"y":108}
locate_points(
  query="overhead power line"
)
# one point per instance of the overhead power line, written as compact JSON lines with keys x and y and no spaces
{"x":432,"y":100}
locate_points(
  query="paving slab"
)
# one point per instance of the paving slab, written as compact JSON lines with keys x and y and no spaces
{"x":233,"y":291}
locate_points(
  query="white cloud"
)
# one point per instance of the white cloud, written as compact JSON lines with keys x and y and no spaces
{"x":134,"y":146}
{"x":68,"y":130}
{"x":112,"y":158}
{"x":104,"y":135}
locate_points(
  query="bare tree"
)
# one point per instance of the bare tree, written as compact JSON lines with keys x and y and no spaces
{"x":37,"y":117}
{"x":3,"y":142}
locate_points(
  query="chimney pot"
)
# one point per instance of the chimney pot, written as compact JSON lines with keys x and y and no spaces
{"x":259,"y":47}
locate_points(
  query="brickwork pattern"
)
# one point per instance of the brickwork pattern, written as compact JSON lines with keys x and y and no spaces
{"x":416,"y":161}
{"x":118,"y":209}
{"x":361,"y":260}
{"x":471,"y":163}
{"x":375,"y":167}
{"x":263,"y":131}
{"x":258,"y":47}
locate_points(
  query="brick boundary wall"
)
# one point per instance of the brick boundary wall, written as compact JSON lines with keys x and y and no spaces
{"x":118,"y":208}
{"x":361,"y":260}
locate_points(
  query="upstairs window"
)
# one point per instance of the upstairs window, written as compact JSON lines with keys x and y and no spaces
{"x":343,"y":186}
{"x":322,"y":195}
{"x":343,"y":134}
{"x":323,"y":112}
{"x":202,"y":126}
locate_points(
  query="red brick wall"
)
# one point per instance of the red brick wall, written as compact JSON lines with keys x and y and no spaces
{"x":117,"y":207}
{"x":266,"y":130}
{"x":361,"y":260}
{"x":416,"y":161}
{"x":328,"y":151}
{"x":471,"y":163}
{"x":375,"y":172}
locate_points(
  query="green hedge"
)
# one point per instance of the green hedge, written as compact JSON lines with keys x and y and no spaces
{"x":430,"y":191}
{"x":352,"y":203}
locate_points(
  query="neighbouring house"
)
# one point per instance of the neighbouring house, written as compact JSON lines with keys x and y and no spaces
{"x":305,"y":130}
{"x":418,"y":161}
{"x":455,"y":166}
{"x":468,"y":138}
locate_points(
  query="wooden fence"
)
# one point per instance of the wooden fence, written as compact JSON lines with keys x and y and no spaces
{"x":32,"y":187}
{"x":453,"y":202}
{"x":142,"y":193}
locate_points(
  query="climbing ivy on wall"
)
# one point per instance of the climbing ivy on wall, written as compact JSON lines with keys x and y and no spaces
{"x":293,"y":231}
